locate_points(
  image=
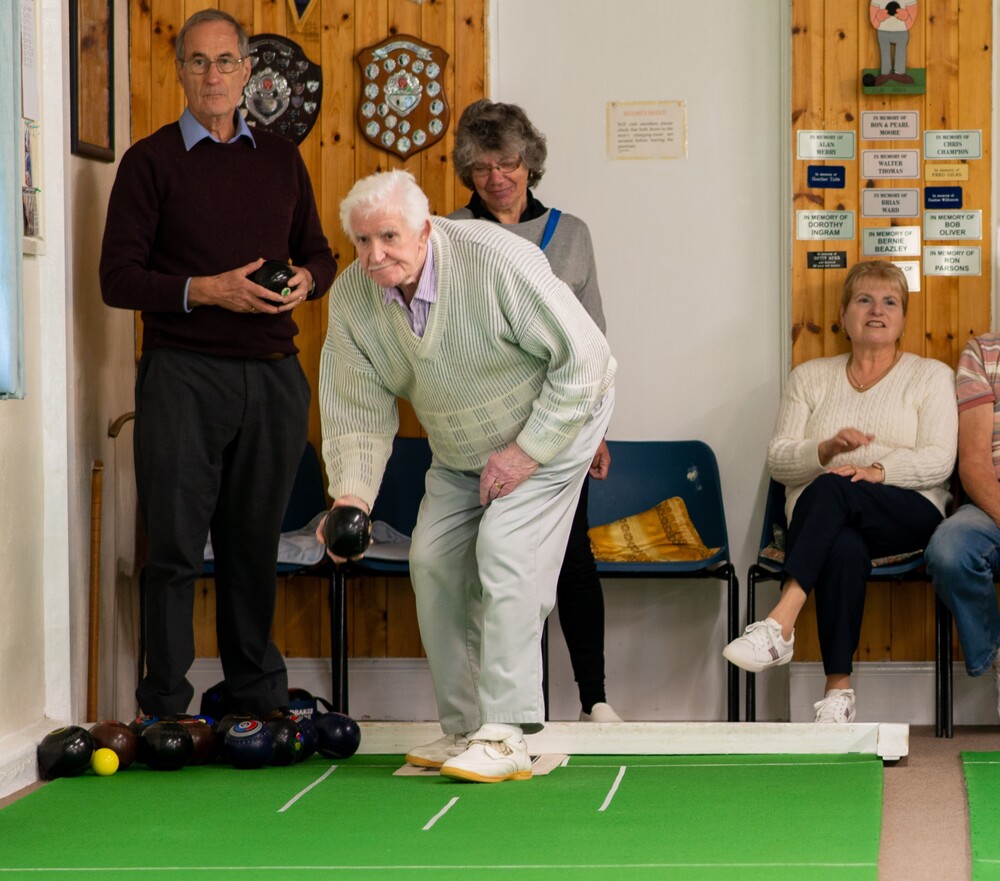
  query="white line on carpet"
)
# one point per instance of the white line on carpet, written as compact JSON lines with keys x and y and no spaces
{"x":614,"y":789}
{"x":317,"y":782}
{"x":440,"y":814}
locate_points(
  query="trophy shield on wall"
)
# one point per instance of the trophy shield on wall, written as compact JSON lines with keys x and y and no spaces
{"x":403,"y":107}
{"x":285,"y":89}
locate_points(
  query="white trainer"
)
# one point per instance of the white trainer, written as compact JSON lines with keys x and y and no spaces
{"x":760,"y":647}
{"x":496,"y":753}
{"x":434,"y":755}
{"x":600,"y":712}
{"x":837,"y":707}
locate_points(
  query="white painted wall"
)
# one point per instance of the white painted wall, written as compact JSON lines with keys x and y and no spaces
{"x":692,"y":266}
{"x":79,"y":369}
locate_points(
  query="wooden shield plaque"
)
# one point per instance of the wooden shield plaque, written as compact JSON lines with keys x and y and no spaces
{"x":285,"y":89}
{"x":403,"y":107}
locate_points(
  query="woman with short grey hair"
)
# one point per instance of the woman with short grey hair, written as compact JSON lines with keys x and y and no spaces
{"x":500,"y":156}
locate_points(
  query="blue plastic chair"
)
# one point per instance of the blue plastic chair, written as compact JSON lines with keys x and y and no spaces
{"x":768,"y":568}
{"x":643,"y":474}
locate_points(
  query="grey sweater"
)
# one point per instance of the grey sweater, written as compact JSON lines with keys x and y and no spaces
{"x":570,"y":253}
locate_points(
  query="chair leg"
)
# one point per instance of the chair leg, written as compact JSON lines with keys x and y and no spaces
{"x":338,"y":638}
{"x":751,"y":682}
{"x":733,"y":624}
{"x":944,"y":695}
{"x":545,"y":667}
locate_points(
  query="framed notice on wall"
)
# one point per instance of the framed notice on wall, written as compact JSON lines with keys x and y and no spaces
{"x":91,"y":79}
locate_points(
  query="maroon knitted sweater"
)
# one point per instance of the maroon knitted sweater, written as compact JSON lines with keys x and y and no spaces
{"x":175,"y":214}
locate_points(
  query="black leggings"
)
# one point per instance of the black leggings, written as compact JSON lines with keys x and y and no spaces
{"x":581,"y":608}
{"x":837,"y":528}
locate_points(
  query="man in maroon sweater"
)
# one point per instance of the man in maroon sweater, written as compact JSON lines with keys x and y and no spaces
{"x":221,"y":401}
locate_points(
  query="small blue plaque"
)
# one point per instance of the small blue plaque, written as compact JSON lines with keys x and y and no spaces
{"x":942,"y":197}
{"x":831,"y":177}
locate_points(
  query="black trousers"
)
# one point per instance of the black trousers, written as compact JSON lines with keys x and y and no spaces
{"x":217,"y":446}
{"x":837,"y":528}
{"x":581,"y":608}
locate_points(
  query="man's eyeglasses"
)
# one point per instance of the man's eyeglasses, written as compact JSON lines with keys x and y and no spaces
{"x":200,"y":65}
{"x":504,"y":166}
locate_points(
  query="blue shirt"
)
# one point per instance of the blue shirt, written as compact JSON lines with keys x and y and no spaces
{"x":193,"y":131}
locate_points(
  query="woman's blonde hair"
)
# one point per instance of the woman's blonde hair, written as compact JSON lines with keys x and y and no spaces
{"x":879,"y":270}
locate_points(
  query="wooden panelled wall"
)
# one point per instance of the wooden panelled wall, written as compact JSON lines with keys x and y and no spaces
{"x":832,"y":41}
{"x":382,"y":619}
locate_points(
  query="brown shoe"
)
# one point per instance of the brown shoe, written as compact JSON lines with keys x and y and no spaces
{"x":882,"y":79}
{"x":903,"y":78}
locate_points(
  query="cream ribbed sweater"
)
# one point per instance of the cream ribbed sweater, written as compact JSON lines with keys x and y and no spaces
{"x":508,"y":354}
{"x":911,"y":412}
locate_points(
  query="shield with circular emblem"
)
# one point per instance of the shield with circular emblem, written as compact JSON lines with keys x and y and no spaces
{"x":403,"y":107}
{"x":285,"y":90}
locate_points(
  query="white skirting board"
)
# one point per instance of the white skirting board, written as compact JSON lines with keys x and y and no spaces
{"x":896,"y":691}
{"x":400,"y":690}
{"x":18,"y":759}
{"x":397,"y":692}
{"x":889,"y":741}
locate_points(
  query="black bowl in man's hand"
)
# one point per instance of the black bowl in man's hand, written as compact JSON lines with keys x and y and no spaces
{"x":274,"y":276}
{"x":348,"y":531}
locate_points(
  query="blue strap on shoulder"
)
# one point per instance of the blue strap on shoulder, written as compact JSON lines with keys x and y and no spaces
{"x":550,"y":227}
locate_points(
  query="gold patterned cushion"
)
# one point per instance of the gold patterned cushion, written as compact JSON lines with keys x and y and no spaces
{"x":662,"y":534}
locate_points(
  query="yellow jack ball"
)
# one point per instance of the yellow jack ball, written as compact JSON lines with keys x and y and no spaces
{"x":104,"y":762}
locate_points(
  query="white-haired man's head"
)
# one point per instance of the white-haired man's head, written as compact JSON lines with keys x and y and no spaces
{"x":388,"y":218}
{"x":386,"y":192}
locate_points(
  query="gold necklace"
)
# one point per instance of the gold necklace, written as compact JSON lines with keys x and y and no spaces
{"x":864,"y":386}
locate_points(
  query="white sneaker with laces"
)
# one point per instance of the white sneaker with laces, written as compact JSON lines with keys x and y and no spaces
{"x":760,"y":647}
{"x":496,"y":753}
{"x":601,"y":712}
{"x":837,"y":707}
{"x":434,"y":755}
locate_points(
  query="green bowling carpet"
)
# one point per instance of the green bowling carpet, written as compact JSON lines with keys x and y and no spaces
{"x":594,"y":817}
{"x":982,"y":779}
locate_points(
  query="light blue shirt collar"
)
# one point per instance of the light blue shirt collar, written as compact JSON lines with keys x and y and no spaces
{"x":193,"y":131}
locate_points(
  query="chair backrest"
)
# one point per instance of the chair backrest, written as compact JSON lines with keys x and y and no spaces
{"x":402,"y":486}
{"x":308,"y":494}
{"x":774,"y":513}
{"x":644,"y":473}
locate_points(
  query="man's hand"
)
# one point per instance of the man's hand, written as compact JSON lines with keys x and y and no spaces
{"x":234,"y":291}
{"x":504,"y":472}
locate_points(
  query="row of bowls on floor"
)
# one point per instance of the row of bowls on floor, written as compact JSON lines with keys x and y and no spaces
{"x":168,"y":744}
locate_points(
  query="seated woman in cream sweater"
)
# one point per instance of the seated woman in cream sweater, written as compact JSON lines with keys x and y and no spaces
{"x":865,"y":445}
